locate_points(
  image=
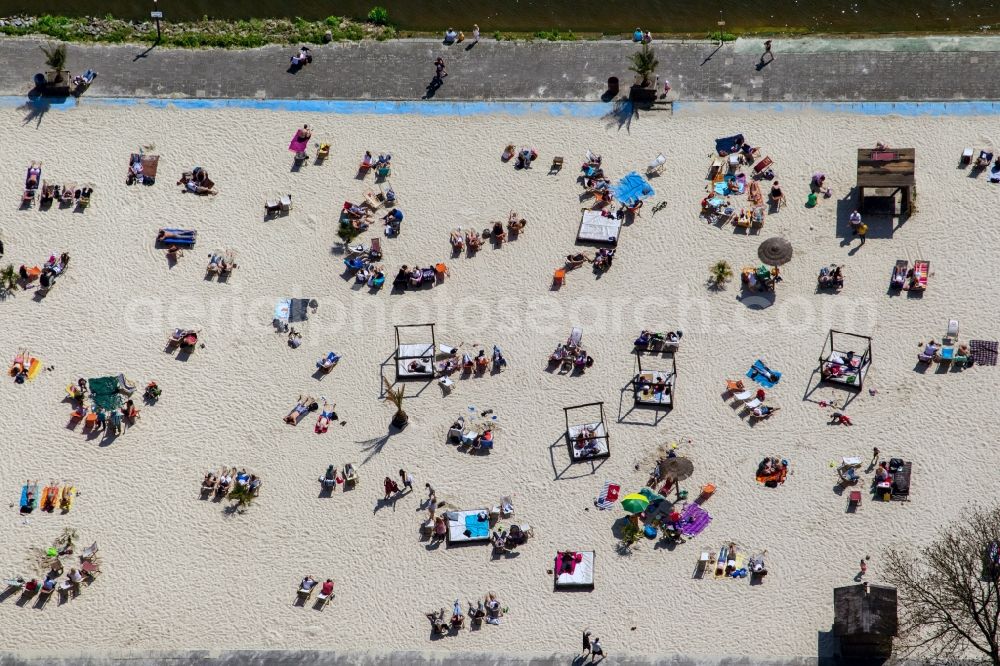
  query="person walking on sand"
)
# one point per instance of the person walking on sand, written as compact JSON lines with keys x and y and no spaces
{"x":390,"y":487}
{"x":596,"y":650}
{"x":407,"y":480}
{"x":864,"y":565}
{"x":875,"y":453}
{"x":586,"y":644}
{"x":862,"y":232}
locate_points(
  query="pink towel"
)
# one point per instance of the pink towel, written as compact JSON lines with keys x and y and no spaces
{"x":297,"y":146}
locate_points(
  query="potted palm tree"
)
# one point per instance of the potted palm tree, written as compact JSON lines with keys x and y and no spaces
{"x":55,"y":59}
{"x":395,"y":396}
{"x":242,"y":497}
{"x":720,"y":273}
{"x":8,"y":279}
{"x":644,"y":64}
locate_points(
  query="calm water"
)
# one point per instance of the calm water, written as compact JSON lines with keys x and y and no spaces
{"x":609,"y":16}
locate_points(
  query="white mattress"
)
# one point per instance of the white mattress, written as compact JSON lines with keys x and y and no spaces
{"x":652,"y":398}
{"x":601,"y":439}
{"x":596,"y":228}
{"x":406,"y":354}
{"x":456,"y":528}
{"x":583,"y":575}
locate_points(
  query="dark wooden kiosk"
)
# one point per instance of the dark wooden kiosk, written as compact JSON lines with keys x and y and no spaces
{"x":887,"y":171}
{"x":865,"y":621}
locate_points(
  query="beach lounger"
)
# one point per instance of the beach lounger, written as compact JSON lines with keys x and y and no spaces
{"x":125,"y":385}
{"x":966,"y":158}
{"x":762,"y":166}
{"x":899,"y":272}
{"x":919,"y":275}
{"x":375,"y":251}
{"x":984,"y":159}
{"x":753,"y":404}
{"x":557,"y":165}
{"x":598,"y":228}
{"x":29,"y":497}
{"x":327,"y":362}
{"x":472,"y":526}
{"x":373,"y":200}
{"x":66,"y":500}
{"x":575,"y":336}
{"x":656,"y":166}
{"x":89,"y":552}
{"x":577,"y":574}
{"x":323,"y":599}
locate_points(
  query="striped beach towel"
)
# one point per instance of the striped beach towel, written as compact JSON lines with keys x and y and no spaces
{"x":984,"y":352}
{"x":694,"y":520}
{"x":608,"y":497}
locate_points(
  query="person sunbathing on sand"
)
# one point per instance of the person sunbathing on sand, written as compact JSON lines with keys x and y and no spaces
{"x":305,"y":404}
{"x":165,"y":235}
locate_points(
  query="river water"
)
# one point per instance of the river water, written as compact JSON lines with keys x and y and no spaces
{"x":607,"y":16}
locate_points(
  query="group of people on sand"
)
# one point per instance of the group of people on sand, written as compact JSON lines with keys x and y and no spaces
{"x":114,"y":420}
{"x":507,"y":540}
{"x":474,"y":241}
{"x":222,"y":484}
{"x":570,"y":354}
{"x":587,"y":442}
{"x":489,"y":610}
{"x":308,"y":585}
{"x":47,"y":274}
{"x":307,"y":404}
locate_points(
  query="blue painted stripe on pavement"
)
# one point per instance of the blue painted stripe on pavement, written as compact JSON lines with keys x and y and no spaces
{"x":960,"y":108}
{"x":572,"y":109}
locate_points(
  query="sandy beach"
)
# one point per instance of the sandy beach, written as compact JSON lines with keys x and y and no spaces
{"x":178,"y":572}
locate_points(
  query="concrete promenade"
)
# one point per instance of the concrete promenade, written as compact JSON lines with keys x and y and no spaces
{"x":803,"y":70}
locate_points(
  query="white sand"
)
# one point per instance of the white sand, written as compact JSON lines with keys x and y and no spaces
{"x":180,"y":574}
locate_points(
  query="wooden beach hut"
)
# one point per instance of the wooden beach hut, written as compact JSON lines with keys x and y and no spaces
{"x":865,"y":620}
{"x":882,"y":174}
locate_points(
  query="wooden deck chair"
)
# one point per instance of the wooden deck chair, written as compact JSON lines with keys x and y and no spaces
{"x":90,"y":568}
{"x":373,"y":200}
{"x":656,"y":166}
{"x":375,"y":251}
{"x":89,"y":552}
{"x":715,"y":169}
{"x":323,"y":599}
{"x":734,"y":386}
{"x":762,"y":166}
{"x":559,"y":276}
{"x":557,"y":165}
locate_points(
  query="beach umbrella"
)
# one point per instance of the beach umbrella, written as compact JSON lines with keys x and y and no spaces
{"x":775,"y":251}
{"x":635,"y":503}
{"x":677,"y":468}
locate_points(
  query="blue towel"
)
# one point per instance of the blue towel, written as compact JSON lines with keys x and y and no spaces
{"x":729,"y":145}
{"x":632,"y":189}
{"x":756,"y":373}
{"x":475,"y":528}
